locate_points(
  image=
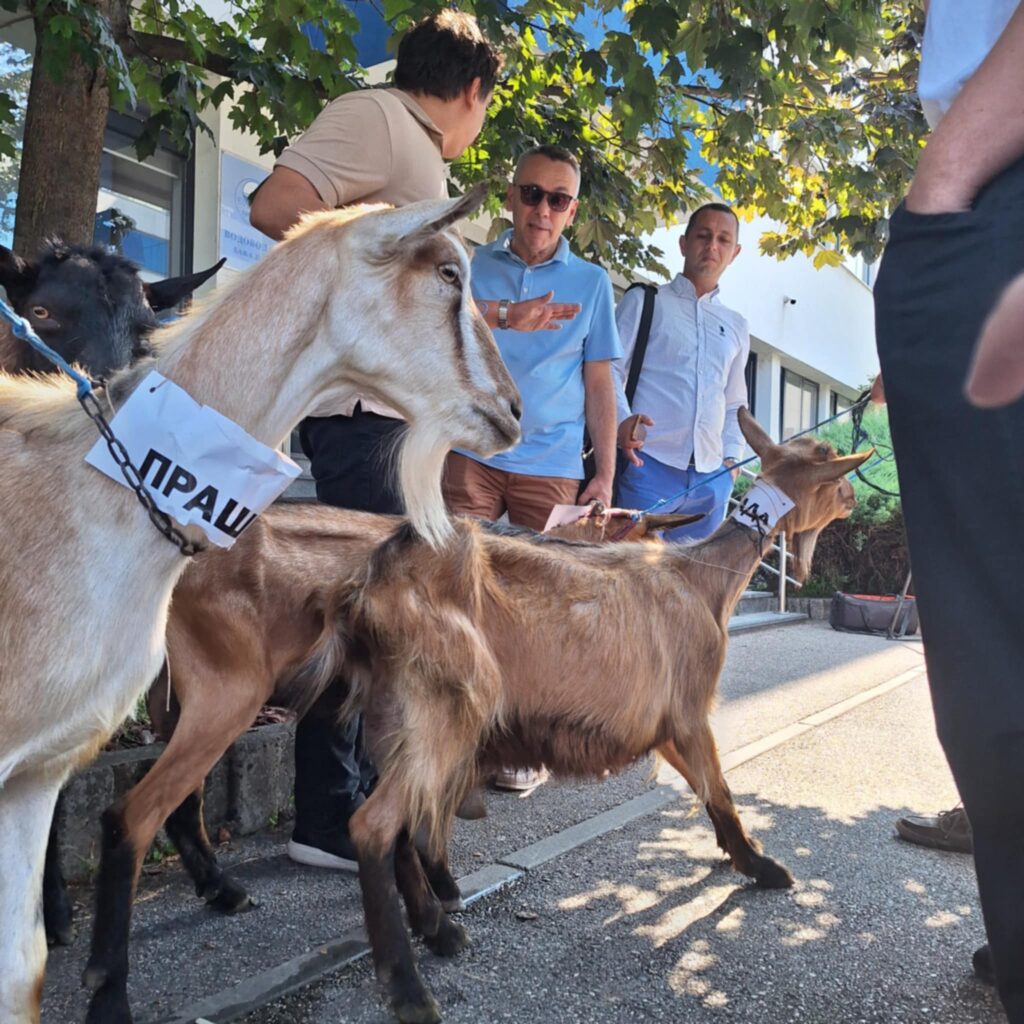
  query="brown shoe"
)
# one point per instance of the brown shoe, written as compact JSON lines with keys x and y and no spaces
{"x":949,"y":830}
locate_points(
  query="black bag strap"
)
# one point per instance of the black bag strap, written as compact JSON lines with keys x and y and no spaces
{"x":642,"y":334}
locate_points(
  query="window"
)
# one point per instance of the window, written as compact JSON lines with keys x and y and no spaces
{"x":839,"y":403}
{"x":799,"y":404}
{"x":750,"y":373}
{"x":140,"y":208}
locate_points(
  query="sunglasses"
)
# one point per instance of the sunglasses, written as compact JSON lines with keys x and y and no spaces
{"x":532,"y":195}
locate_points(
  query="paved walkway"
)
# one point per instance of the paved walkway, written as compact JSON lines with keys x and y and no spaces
{"x":615,"y":904}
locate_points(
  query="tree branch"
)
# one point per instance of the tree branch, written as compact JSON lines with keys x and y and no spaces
{"x":165,"y":49}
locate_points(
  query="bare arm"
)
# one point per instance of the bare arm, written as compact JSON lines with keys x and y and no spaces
{"x":982,"y":134}
{"x":281,"y":200}
{"x":539,"y":314}
{"x":599,"y":404}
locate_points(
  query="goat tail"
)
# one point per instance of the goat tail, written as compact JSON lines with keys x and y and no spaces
{"x":420,"y":468}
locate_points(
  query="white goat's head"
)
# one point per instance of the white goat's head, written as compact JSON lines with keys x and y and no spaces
{"x":419,"y":342}
{"x":811,"y":473}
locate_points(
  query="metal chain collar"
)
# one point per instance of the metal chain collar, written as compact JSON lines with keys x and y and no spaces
{"x":160,"y":519}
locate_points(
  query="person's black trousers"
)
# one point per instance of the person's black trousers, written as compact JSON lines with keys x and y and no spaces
{"x":963,"y":500}
{"x":350,"y":462}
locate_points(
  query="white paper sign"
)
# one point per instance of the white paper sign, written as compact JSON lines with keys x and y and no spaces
{"x":762,"y":506}
{"x":563,"y":515}
{"x":199,"y":466}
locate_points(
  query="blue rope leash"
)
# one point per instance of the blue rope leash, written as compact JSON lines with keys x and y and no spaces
{"x":753,"y":458}
{"x":21,"y":328}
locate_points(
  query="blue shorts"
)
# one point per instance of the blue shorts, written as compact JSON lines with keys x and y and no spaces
{"x":641,"y":486}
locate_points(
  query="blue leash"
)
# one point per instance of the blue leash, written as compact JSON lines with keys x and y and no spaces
{"x":21,"y":328}
{"x":861,"y":402}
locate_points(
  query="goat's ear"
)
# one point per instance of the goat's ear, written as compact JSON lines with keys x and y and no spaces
{"x":655,"y":523}
{"x":170,"y":291}
{"x":839,"y":466}
{"x":456,"y":210}
{"x":16,"y":275}
{"x":757,"y":437}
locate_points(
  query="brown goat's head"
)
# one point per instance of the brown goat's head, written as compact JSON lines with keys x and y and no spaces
{"x":811,"y":473}
{"x":609,"y":525}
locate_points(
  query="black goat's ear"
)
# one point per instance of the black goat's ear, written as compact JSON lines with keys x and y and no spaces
{"x":16,"y":275}
{"x":169,"y":292}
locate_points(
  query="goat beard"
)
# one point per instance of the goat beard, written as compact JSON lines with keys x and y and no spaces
{"x":421,"y":459}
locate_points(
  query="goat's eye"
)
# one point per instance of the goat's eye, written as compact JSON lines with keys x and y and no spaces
{"x":825,"y":451}
{"x":40,"y":312}
{"x":449,"y":273}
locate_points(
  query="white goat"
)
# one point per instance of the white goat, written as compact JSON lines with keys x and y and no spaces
{"x":374,"y":301}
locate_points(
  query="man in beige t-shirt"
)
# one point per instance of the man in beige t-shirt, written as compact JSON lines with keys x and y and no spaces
{"x":375,"y":145}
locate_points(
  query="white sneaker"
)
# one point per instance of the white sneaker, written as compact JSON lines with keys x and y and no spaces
{"x":342,"y":858}
{"x":520,"y":780}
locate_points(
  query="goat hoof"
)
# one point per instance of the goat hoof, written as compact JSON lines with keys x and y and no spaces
{"x":60,"y":935}
{"x":231,"y":898}
{"x":451,"y":938}
{"x":421,"y":1012}
{"x":109,"y":1006}
{"x":453,"y":904}
{"x":773,"y":875}
{"x":94,"y":977}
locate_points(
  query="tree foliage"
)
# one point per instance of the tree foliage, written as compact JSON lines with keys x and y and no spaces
{"x":804,"y":108}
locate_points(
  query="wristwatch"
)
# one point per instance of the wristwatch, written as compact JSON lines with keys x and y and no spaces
{"x":503,"y":306}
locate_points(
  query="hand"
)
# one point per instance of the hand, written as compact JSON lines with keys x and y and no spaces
{"x":599,"y":489}
{"x":996,"y":377}
{"x":729,"y":464}
{"x":877,"y":395}
{"x":632,"y":435}
{"x":938,"y":189}
{"x":541,"y":314}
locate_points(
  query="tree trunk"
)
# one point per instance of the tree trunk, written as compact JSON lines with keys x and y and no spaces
{"x":60,"y":161}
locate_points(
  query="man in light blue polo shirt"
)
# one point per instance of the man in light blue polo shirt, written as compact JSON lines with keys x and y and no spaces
{"x":564,"y":375}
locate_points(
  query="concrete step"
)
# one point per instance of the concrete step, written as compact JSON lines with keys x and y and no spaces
{"x":764,"y":620}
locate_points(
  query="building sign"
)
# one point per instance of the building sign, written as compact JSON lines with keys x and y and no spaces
{"x":240,"y":243}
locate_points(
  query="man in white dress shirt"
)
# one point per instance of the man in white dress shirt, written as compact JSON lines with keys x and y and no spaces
{"x":691,"y":383}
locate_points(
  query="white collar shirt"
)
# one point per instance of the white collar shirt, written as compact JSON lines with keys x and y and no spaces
{"x":693,"y":377}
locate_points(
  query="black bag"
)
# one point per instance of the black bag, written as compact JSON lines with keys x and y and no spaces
{"x":636,"y":364}
{"x":867,"y":613}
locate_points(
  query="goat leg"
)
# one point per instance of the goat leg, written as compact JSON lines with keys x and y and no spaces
{"x":57,"y":913}
{"x":442,"y":935}
{"x":710,"y":783}
{"x":375,"y":834}
{"x":106,"y":973}
{"x":441,"y":880}
{"x":188,"y":833}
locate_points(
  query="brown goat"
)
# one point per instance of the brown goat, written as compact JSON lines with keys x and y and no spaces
{"x":499,"y":650}
{"x":241,"y":622}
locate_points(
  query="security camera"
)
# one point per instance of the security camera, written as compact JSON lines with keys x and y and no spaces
{"x":787,"y":301}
